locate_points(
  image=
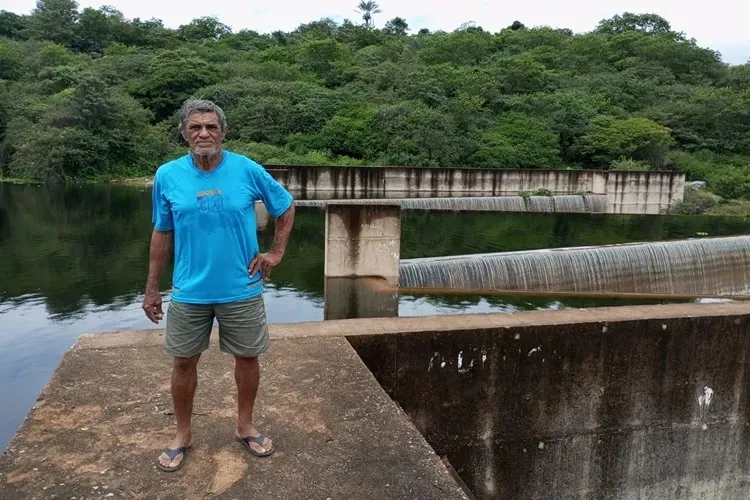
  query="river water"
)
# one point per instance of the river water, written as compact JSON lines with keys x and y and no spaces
{"x":74,"y":260}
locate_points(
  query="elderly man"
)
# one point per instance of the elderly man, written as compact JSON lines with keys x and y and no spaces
{"x":205,"y":203}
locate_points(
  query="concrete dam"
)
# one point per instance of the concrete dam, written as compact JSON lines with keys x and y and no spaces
{"x":625,"y":192}
{"x":624,"y":403}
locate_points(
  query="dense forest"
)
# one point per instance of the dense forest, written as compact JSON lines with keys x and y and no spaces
{"x":89,"y":94}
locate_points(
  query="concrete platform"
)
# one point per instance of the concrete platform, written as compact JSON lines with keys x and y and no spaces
{"x":106,"y":413}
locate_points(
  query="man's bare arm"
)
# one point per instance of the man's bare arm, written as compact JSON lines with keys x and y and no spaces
{"x":282,"y":228}
{"x":267,"y":261}
{"x":161,"y":246}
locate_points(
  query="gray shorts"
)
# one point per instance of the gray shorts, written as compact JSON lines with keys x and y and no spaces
{"x":243,"y":330}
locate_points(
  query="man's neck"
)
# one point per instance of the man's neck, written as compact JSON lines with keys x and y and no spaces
{"x":207,"y":162}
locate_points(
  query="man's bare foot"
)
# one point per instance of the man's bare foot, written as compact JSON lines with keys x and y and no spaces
{"x":175,"y":461}
{"x":259,"y":445}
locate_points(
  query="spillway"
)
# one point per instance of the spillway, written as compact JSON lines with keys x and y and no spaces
{"x":557,"y":203}
{"x":710,"y":266}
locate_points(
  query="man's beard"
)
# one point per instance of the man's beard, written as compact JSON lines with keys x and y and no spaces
{"x":205,"y":152}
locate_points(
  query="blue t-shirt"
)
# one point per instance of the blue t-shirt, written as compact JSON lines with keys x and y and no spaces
{"x":212,"y":215}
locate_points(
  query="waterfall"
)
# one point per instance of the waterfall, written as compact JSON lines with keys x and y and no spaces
{"x":558,"y":203}
{"x":540,"y":204}
{"x":597,"y":204}
{"x":569,"y":203}
{"x":711,"y":266}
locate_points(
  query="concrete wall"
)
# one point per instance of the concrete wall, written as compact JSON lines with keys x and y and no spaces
{"x":628,"y":403}
{"x":629,"y":192}
{"x":363,"y":241}
{"x":643,"y":192}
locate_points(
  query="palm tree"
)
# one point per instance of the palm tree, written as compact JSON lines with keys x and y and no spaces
{"x":367,"y":9}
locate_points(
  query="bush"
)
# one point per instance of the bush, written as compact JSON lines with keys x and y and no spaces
{"x":630,"y":165}
{"x":695,"y":203}
{"x":536,"y":192}
{"x":727,"y":176}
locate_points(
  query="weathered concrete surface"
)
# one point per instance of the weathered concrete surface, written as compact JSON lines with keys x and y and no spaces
{"x":363,"y":241}
{"x":347,"y":298}
{"x":628,"y":192}
{"x":645,"y":402}
{"x":641,"y":192}
{"x":100,"y":423}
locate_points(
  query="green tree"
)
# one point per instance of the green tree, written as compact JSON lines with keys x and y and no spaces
{"x":368,"y":8}
{"x":54,"y":20}
{"x":86,"y":132}
{"x":13,"y":26}
{"x":518,"y":141}
{"x":461,"y":48}
{"x":349,"y":132}
{"x":647,"y":23}
{"x":738,"y":77}
{"x":396,"y":27}
{"x":97,"y":28}
{"x":173,"y":76}
{"x":203,"y":28}
{"x":411,"y":133}
{"x":326,"y":59}
{"x":609,"y":138}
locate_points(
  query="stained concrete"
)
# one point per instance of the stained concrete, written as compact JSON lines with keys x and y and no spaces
{"x":645,"y":402}
{"x":362,"y":241}
{"x":627,"y":192}
{"x":106,"y":413}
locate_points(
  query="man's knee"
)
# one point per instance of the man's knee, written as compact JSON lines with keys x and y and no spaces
{"x":186,"y":366}
{"x":246,"y":360}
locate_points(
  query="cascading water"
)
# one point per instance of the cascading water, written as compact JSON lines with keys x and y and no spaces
{"x":569,"y":203}
{"x":597,"y":204}
{"x":712,"y":266}
{"x":540,"y":204}
{"x":558,"y":203}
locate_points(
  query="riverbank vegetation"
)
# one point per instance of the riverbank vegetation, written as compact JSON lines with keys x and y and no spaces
{"x":89,"y":94}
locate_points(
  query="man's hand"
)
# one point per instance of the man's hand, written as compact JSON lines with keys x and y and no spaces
{"x":264,"y":262}
{"x":152,"y":307}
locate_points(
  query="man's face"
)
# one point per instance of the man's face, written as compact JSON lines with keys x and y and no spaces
{"x":203,"y":133}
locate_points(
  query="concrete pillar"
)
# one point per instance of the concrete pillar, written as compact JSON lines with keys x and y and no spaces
{"x":362,"y":260}
{"x":363,"y":241}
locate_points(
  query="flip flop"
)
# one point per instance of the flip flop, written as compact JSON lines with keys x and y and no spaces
{"x":172,"y":454}
{"x":257,"y":439}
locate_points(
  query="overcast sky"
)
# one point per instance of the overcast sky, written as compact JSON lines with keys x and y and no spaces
{"x":719,"y":24}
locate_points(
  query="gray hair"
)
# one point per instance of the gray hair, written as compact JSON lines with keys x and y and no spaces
{"x":201,"y":106}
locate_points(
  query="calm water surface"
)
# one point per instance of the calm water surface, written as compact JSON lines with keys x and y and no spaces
{"x":74,"y":260}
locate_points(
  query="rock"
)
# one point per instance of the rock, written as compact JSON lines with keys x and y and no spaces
{"x":696,"y":185}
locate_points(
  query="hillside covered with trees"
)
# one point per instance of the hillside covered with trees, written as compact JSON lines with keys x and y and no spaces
{"x":88,"y":94}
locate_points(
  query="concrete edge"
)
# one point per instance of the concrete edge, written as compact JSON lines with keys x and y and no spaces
{"x":443,"y":323}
